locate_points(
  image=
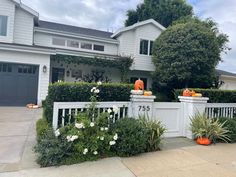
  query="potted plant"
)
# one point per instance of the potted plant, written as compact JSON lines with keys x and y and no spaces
{"x":207,"y":130}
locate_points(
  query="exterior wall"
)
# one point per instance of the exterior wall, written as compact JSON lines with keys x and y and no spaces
{"x":229,"y":83}
{"x":127,"y":44}
{"x":23,"y":28}
{"x":149,"y":32}
{"x":7,"y":8}
{"x":29,"y":58}
{"x":111,"y":73}
{"x":43,"y":39}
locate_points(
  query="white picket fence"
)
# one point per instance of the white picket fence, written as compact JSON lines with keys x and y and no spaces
{"x":216,"y":110}
{"x":174,"y":116}
{"x":64,"y":112}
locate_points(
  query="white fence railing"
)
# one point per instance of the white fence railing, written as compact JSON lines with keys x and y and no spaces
{"x":216,"y":110}
{"x":65,"y":112}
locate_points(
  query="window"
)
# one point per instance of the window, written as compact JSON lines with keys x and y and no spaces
{"x":143,"y":47}
{"x":26,"y":69}
{"x":98,"y":47}
{"x":74,"y":44}
{"x":86,"y":46}
{"x":151,"y":46}
{"x":5,"y":67}
{"x":3,"y":25}
{"x":58,"y":41}
{"x":133,"y":79}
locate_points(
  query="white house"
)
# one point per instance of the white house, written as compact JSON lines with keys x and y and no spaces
{"x":29,"y":46}
{"x":228,"y":80}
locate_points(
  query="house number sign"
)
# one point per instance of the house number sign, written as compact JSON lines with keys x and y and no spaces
{"x":144,"y":108}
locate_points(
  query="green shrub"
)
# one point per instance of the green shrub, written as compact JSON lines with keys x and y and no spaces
{"x":230,"y":124}
{"x":132,"y":139}
{"x":69,"y":92}
{"x":41,"y":128}
{"x":213,"y":129}
{"x":51,"y":150}
{"x":155,"y":133}
{"x":214,"y":95}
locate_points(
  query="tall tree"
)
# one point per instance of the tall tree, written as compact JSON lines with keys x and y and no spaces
{"x":187,"y":53}
{"x":163,"y":11}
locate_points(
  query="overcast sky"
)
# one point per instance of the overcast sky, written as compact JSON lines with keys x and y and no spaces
{"x":111,"y":14}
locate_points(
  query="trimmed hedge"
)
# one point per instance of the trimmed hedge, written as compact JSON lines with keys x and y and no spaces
{"x":41,"y":128}
{"x":214,"y":95}
{"x":72,"y":92}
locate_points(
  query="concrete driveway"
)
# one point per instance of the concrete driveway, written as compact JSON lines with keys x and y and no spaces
{"x":17,"y":137}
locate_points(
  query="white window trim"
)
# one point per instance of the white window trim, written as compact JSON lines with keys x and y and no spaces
{"x":149,"y":45}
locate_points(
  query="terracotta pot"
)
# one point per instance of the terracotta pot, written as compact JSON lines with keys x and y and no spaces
{"x":203,"y":141}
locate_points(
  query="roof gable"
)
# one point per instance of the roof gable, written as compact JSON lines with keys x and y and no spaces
{"x":136,"y":25}
{"x":26,"y":8}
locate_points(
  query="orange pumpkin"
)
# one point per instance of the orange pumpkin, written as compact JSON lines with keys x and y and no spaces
{"x":186,"y":92}
{"x":139,"y":85}
{"x":203,"y":141}
{"x":147,"y":93}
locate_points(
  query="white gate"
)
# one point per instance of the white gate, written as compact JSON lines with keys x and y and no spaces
{"x":170,"y":116}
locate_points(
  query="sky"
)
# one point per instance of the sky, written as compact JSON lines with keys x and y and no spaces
{"x":109,"y":15}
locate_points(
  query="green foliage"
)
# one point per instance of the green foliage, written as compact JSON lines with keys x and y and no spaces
{"x":41,"y":128}
{"x":132,"y":137}
{"x":186,"y":54}
{"x":52,"y":151}
{"x":214,"y":130}
{"x":214,"y":95}
{"x":69,"y":92}
{"x":121,"y":63}
{"x":155,"y":133}
{"x":230,"y":124}
{"x":163,"y":11}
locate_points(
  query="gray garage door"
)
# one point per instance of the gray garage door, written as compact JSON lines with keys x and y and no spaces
{"x":18,"y":84}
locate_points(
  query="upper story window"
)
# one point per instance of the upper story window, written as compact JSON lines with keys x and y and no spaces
{"x":150,"y":48}
{"x":86,"y":46}
{"x":98,"y":47}
{"x":3,"y":25}
{"x":58,"y":41}
{"x":146,"y":47}
{"x":143,"y":47}
{"x":74,"y":44}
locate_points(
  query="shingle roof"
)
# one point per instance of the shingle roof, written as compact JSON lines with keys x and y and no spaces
{"x":226,"y":73}
{"x":74,"y":29}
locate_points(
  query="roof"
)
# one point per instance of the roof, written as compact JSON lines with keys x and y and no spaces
{"x":225,"y":73}
{"x":136,"y":25}
{"x":26,"y":8}
{"x":74,"y":29}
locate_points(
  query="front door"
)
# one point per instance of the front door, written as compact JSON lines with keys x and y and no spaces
{"x":58,"y":74}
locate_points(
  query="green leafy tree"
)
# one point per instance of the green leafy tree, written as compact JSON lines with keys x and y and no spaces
{"x":186,"y":54}
{"x":163,"y":11}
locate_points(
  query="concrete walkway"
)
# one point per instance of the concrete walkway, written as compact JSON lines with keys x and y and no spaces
{"x":17,"y":138}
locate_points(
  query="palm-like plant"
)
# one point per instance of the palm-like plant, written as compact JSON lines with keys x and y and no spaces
{"x":201,"y":126}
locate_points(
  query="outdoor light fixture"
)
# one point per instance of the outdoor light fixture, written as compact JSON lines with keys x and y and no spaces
{"x":44,"y":68}
{"x":67,"y":73}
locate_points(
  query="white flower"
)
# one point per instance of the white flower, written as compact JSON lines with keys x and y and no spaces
{"x":99,"y":83}
{"x":109,"y":111}
{"x":57,"y":133}
{"x":112,"y":143}
{"x":93,"y":89}
{"x":85,"y":151}
{"x":102,"y":138}
{"x":95,"y":152}
{"x":115,"y":109}
{"x":115,"y":137}
{"x":106,"y":128}
{"x":102,"y":128}
{"x":68,"y":138}
{"x":96,"y":91}
{"x":92,"y":124}
{"x":111,"y":116}
{"x":79,"y":125}
{"x":74,"y":137}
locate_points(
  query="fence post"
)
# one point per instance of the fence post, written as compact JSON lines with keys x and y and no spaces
{"x":55,"y":116}
{"x":141,"y":105}
{"x":189,"y":107}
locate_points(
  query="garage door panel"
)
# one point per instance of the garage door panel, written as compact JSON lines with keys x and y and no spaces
{"x":19,"y":86}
